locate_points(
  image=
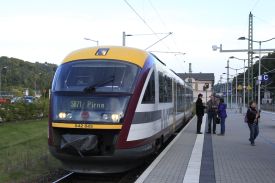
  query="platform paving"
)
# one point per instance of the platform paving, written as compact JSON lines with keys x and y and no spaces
{"x":235,"y":160}
{"x":225,"y":159}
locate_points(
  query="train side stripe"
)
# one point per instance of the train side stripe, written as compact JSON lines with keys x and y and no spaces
{"x":146,"y":117}
{"x":85,"y":126}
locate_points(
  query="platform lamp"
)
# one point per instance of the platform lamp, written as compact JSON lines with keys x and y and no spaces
{"x":259,"y":75}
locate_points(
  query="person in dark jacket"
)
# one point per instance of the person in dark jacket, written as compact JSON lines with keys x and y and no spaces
{"x":253,"y":121}
{"x":199,"y":112}
{"x":212,"y":108}
{"x":222,"y":115}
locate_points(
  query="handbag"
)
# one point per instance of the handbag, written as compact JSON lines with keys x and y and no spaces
{"x":218,"y":120}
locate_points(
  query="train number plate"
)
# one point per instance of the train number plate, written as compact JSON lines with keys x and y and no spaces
{"x":83,"y":126}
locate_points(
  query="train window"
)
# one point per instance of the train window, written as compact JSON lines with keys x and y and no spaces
{"x":165,"y":88}
{"x":99,"y":75}
{"x":149,"y":95}
{"x":180,"y":94}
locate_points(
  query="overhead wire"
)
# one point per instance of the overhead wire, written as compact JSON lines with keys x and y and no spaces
{"x":162,"y":22}
{"x":165,"y":27}
{"x":265,"y":21}
{"x":255,"y":4}
{"x":140,"y":17}
{"x":144,"y":21}
{"x":261,"y":19}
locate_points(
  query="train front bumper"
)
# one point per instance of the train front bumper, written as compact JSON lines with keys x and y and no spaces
{"x":121,"y":160}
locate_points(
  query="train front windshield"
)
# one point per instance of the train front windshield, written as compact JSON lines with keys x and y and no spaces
{"x":93,"y":90}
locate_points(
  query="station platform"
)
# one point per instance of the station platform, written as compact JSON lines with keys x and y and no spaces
{"x":209,"y":158}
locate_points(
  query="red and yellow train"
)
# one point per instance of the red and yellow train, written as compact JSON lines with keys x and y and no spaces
{"x":111,"y":107}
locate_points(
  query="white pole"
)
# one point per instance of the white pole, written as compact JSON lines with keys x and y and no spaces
{"x":236,"y":91}
{"x":244,"y":84}
{"x":259,"y":77}
{"x":231,"y":96}
{"x":123,"y":38}
{"x":227,"y":82}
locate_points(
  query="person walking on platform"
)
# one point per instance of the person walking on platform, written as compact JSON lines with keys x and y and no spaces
{"x":199,"y":112}
{"x":253,"y":116}
{"x":222,"y":115}
{"x":212,"y":106}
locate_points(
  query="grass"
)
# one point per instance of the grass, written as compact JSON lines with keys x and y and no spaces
{"x":24,"y":152}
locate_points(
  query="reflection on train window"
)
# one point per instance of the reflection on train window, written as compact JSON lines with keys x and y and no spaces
{"x":102,"y":75}
{"x":180,"y":98}
{"x":165,"y":88}
{"x":149,"y":95}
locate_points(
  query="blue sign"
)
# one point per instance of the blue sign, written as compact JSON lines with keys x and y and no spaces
{"x":265,"y":77}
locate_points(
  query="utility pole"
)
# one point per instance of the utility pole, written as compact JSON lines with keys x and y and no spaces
{"x":250,"y":57}
{"x":123,"y":38}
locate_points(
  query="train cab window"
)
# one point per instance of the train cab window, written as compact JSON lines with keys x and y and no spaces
{"x":149,"y":95}
{"x":100,"y":75}
{"x":165,"y":88}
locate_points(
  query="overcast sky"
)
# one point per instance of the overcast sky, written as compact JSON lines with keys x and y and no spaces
{"x":47,"y":30}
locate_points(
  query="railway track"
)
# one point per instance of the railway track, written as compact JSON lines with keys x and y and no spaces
{"x":65,"y":178}
{"x":127,"y":177}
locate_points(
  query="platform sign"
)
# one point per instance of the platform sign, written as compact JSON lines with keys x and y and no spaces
{"x":265,"y":77}
{"x":240,"y":87}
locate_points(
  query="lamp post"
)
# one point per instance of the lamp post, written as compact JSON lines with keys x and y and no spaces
{"x":231,"y":84}
{"x":225,"y":86}
{"x":236,"y":83}
{"x":232,"y":57}
{"x":259,"y":74}
{"x":96,"y":41}
{"x":227,"y":81}
{"x":5,"y":67}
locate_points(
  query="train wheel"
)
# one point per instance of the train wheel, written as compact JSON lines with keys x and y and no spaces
{"x":158,"y":144}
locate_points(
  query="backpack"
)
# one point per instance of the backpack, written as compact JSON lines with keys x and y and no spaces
{"x":245,"y":118}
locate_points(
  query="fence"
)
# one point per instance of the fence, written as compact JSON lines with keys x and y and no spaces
{"x":268,"y":107}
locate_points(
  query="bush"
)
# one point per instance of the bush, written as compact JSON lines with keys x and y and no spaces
{"x":24,"y":111}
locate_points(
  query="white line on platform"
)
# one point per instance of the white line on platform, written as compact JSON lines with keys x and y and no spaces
{"x":192,"y":174}
{"x":145,"y":174}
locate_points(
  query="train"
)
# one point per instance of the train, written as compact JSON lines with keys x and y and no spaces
{"x":111,"y":107}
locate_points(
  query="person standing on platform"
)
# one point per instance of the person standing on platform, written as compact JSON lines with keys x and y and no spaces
{"x":199,"y":112}
{"x":222,"y":115}
{"x":212,"y":107}
{"x":253,"y":116}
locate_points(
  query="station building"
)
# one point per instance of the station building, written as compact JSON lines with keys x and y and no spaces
{"x":199,"y":82}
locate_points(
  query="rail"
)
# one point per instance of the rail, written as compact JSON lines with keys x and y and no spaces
{"x":64,"y":178}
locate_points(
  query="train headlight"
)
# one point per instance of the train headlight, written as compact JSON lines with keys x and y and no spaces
{"x":115,"y":117}
{"x":62,"y":115}
{"x":69,"y":115}
{"x":65,"y":115}
{"x":105,"y":116}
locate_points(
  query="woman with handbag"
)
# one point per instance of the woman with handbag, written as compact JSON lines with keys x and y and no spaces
{"x":222,"y":115}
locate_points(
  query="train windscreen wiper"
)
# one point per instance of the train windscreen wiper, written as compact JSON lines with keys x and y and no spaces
{"x":92,"y":88}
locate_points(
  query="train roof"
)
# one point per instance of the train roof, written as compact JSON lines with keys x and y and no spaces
{"x":132,"y":55}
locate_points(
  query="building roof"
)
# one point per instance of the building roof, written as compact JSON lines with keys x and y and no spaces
{"x":198,"y":76}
